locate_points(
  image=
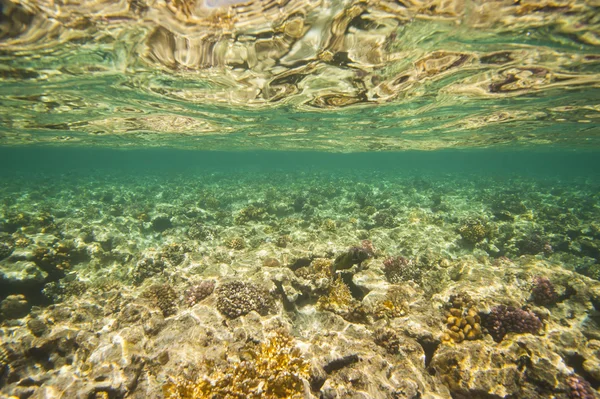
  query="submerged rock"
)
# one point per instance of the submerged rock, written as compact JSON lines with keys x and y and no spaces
{"x":22,"y":274}
{"x":14,"y":307}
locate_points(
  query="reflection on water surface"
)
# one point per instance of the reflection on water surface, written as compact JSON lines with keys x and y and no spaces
{"x":333,"y":75}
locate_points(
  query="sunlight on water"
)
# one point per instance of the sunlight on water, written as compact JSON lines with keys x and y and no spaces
{"x":325,"y":75}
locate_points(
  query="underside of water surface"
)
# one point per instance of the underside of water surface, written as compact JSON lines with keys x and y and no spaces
{"x":358,"y":199}
{"x":321,"y":75}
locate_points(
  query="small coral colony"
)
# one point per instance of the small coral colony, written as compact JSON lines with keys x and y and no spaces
{"x":299,"y":285}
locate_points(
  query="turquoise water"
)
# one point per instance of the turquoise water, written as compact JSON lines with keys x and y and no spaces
{"x":499,"y":163}
{"x":192,"y":274}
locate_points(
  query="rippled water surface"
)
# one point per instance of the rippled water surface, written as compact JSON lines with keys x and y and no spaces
{"x":321,"y":75}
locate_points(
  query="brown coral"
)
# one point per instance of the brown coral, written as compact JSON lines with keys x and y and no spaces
{"x":237,"y":298}
{"x":198,"y":292}
{"x":473,"y":231}
{"x":164,"y":297}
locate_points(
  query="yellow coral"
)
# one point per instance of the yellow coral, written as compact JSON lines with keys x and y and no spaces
{"x":462,"y":320}
{"x":236,"y":243}
{"x":394,"y":304}
{"x":321,"y":267}
{"x":339,"y":299}
{"x":329,"y":225}
{"x":275,"y":370}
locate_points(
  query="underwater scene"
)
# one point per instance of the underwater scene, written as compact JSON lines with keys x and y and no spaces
{"x":316,"y":199}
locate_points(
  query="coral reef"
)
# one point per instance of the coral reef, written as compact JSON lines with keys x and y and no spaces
{"x":5,"y":250}
{"x":462,"y":319}
{"x":146,"y":268}
{"x":164,"y":297}
{"x":283,"y":240}
{"x":14,"y":307}
{"x":200,"y":231}
{"x":199,"y":291}
{"x":543,"y":292}
{"x":329,"y":225}
{"x":174,"y":254}
{"x":250,"y":213}
{"x":236,"y":243}
{"x":393,"y":304}
{"x":398,"y":269}
{"x":237,"y":298}
{"x":90,"y":293}
{"x":53,"y":260}
{"x":389,"y":339}
{"x":579,"y":388}
{"x":339,"y":299}
{"x":507,"y":319}
{"x":473,"y":231}
{"x":533,"y":244}
{"x":271,"y":370}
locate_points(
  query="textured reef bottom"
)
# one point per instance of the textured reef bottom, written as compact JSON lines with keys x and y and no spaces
{"x":299,"y":285}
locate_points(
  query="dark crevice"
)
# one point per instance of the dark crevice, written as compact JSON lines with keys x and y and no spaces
{"x":429,"y":347}
{"x":356,"y":292}
{"x":287,"y":305}
{"x":340,"y":363}
{"x":300,"y":262}
{"x":575,"y":361}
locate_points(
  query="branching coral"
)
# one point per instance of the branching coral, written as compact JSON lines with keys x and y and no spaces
{"x":274,"y":369}
{"x":398,"y":269}
{"x":394,"y":304}
{"x":473,"y":231}
{"x":198,"y":292}
{"x":543,"y":292}
{"x":329,"y":225}
{"x":389,"y":339}
{"x":505,"y":319}
{"x":319,"y":268}
{"x":339,"y":299}
{"x":236,"y":243}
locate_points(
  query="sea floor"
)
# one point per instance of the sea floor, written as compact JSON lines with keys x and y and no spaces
{"x":299,"y":284}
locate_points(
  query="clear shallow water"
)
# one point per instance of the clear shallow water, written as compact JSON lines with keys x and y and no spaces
{"x":187,"y":274}
{"x":299,"y":199}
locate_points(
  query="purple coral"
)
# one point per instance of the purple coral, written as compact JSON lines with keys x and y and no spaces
{"x":579,"y":388}
{"x":543,"y":292}
{"x":505,"y":319}
{"x":199,"y":291}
